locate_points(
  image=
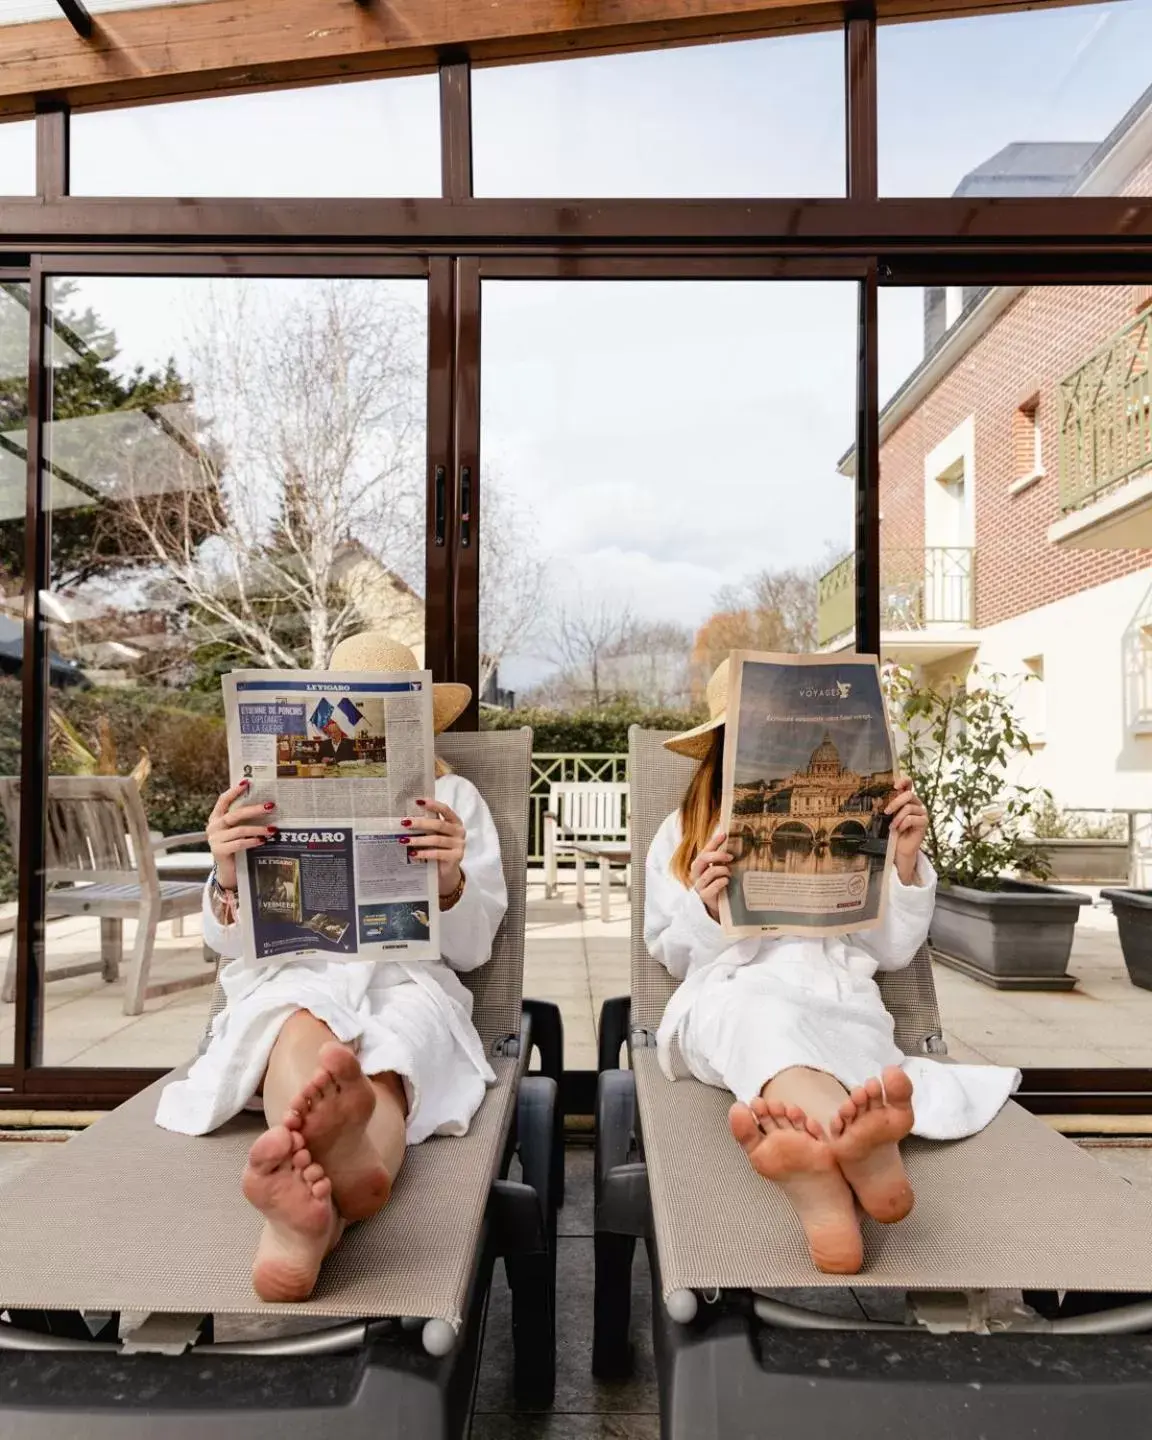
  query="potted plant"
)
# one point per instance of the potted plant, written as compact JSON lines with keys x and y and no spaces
{"x":1133,"y":911}
{"x":957,"y":745}
{"x":1078,"y":850}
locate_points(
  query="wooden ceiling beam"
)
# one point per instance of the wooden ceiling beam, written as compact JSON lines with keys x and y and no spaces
{"x":216,"y":46}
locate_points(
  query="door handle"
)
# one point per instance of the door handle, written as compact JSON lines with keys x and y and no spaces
{"x":440,"y":503}
{"x":465,"y":505}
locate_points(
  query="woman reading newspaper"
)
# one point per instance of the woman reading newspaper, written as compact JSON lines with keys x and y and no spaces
{"x":795,"y":1026}
{"x":354,"y":1059}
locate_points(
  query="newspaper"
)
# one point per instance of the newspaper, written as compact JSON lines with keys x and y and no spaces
{"x":809,"y":767}
{"x":343,"y":756}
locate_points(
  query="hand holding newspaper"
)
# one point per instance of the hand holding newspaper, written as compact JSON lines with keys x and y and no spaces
{"x":808,"y":771}
{"x":344,"y":757}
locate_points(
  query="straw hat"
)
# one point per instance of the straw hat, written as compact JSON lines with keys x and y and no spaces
{"x":696,"y":743}
{"x":376,"y":650}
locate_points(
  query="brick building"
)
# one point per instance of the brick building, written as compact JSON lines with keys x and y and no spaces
{"x":1016,"y":495}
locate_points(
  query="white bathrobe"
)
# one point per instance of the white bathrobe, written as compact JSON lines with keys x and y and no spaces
{"x":414,"y":1019}
{"x":748,"y":1009}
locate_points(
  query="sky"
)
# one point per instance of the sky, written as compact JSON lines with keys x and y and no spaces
{"x":666,"y":440}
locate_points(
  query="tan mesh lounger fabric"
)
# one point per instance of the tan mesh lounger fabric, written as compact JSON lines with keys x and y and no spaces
{"x":1016,"y":1207}
{"x":130,"y":1217}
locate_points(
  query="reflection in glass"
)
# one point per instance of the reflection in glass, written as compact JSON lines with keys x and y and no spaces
{"x":1049,"y":101}
{"x":358,"y":138}
{"x":14,"y":301}
{"x":236,"y":479}
{"x":759,"y":117}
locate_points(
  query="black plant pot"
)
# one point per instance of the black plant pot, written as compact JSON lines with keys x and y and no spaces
{"x":1020,"y":931}
{"x":1133,"y":911}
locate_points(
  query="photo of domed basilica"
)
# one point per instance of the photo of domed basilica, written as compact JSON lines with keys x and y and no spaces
{"x":823,"y":812}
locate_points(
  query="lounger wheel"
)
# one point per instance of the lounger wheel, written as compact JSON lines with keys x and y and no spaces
{"x":547,"y":1038}
{"x":621,"y":1211}
{"x":530,"y":1255}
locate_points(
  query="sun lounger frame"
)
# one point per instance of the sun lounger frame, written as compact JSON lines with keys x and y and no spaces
{"x":668,"y":1174}
{"x":390,"y":1344}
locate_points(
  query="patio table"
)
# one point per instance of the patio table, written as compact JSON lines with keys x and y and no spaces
{"x":606,"y":854}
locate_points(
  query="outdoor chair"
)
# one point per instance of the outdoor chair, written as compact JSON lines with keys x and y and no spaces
{"x":100,"y":860}
{"x":388,"y":1346}
{"x":581,"y":814}
{"x":745,"y":1324}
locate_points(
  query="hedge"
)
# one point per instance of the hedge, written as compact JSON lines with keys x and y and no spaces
{"x":585,"y":732}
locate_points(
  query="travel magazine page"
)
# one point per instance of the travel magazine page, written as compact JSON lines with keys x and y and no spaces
{"x":344,"y":757}
{"x":808,"y":770}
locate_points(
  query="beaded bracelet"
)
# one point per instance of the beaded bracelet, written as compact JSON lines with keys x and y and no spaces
{"x":447,"y":901}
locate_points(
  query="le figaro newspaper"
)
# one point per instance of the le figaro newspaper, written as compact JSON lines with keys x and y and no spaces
{"x":344,"y":757}
{"x":809,"y":768}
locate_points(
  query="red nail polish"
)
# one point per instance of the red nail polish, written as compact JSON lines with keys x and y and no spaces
{"x":404,"y":840}
{"x":405,"y":822}
{"x":270,"y":806}
{"x":421,"y":802}
{"x":244,"y":784}
{"x":273,"y":833}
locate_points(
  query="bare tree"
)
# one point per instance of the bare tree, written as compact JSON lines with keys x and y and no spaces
{"x":771,"y":610}
{"x":651,"y":665}
{"x":317,"y":404}
{"x":584,"y":637}
{"x":512,"y":578}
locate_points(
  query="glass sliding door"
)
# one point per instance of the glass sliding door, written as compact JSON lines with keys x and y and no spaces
{"x":661,"y":483}
{"x":14,"y":332}
{"x":234,"y":476}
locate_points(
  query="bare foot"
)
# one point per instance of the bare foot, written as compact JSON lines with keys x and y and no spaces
{"x":332,"y":1113}
{"x":864,"y":1136}
{"x":294,"y":1195}
{"x":787,"y":1147}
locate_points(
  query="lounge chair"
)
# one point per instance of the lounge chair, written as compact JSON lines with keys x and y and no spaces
{"x":101,"y":862}
{"x":1015,"y":1230}
{"x":128,"y":1219}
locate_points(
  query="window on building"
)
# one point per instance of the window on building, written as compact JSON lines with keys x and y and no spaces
{"x":1027,"y":455}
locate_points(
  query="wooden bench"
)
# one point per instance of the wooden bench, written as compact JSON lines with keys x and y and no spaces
{"x":582,"y":812}
{"x":101,"y":861}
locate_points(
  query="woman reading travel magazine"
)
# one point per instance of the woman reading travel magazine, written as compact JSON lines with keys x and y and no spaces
{"x":791,"y":874}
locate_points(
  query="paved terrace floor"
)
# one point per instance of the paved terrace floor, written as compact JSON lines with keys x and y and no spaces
{"x":577,"y":960}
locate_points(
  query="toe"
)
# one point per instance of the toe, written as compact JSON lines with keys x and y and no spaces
{"x":322,"y":1188}
{"x":777,"y":1110}
{"x":744,"y":1126}
{"x":836,"y":1125}
{"x":313,"y":1172}
{"x":875,"y":1092}
{"x":813,"y":1128}
{"x":759,"y":1106}
{"x":897,"y":1086}
{"x":271,"y":1150}
{"x":859,"y":1097}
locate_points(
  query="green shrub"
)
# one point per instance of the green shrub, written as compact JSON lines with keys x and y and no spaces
{"x":587,"y":732}
{"x":957,"y":744}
